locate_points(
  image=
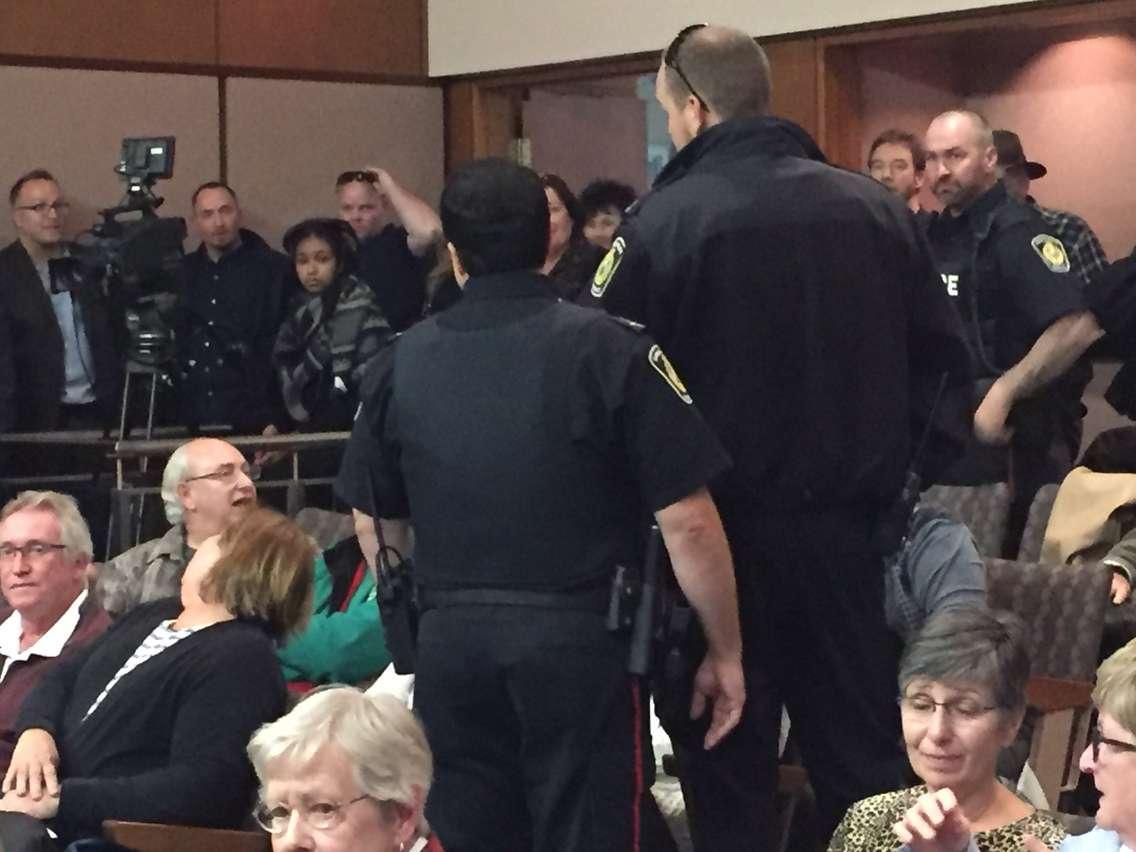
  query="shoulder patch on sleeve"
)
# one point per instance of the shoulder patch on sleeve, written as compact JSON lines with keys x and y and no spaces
{"x":664,"y":368}
{"x":607,"y":267}
{"x":1051,"y":252}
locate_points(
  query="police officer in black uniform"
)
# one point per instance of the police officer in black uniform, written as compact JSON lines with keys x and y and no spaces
{"x":802,"y":307}
{"x":1010,"y":279}
{"x":527,"y":440}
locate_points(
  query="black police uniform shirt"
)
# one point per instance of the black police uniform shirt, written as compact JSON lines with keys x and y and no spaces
{"x":1007,"y":276}
{"x":801,"y":305}
{"x":396,"y":276}
{"x":526,"y":439}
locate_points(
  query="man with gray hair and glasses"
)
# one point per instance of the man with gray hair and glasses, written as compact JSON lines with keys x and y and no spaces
{"x":45,"y":550}
{"x":206,"y":486}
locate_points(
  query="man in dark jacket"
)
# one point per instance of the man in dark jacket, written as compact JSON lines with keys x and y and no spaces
{"x":67,"y":370}
{"x":801,"y":306}
{"x":231,"y":302}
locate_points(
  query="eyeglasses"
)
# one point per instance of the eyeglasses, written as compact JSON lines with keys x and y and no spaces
{"x":670,"y":59}
{"x":41,"y":207}
{"x":348,"y":177}
{"x":32,"y":550}
{"x":318,"y":815}
{"x":227,"y":472}
{"x":961,"y":709}
{"x":1097,"y":740}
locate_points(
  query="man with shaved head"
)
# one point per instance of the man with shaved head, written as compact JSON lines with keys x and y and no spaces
{"x":1009,"y":277}
{"x":804,"y":313}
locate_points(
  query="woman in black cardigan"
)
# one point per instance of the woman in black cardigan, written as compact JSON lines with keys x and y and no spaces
{"x":150,"y":721}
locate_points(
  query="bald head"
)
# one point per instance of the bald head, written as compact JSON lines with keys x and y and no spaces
{"x":961,"y":158}
{"x":727,"y":76}
{"x":206,"y":485}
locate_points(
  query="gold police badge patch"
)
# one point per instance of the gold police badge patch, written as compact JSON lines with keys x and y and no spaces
{"x":607,"y":267}
{"x":665,"y":369}
{"x":1052,"y":253}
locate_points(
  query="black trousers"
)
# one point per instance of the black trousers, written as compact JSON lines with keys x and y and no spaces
{"x":814,"y":638}
{"x":534,"y":724}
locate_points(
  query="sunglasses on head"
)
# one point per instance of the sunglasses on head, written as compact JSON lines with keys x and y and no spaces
{"x":670,"y":59}
{"x":362,"y":176}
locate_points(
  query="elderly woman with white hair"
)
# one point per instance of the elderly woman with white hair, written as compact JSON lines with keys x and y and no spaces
{"x":344,"y":770}
{"x":938,"y":823}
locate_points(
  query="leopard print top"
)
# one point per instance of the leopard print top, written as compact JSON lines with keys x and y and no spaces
{"x":867,"y":827}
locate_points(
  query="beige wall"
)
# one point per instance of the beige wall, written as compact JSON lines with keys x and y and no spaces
{"x":289,"y":139}
{"x":1073,"y":103}
{"x":72,"y":123}
{"x":466,"y":37}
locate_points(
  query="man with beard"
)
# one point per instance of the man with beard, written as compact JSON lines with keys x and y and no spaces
{"x":1010,"y":279}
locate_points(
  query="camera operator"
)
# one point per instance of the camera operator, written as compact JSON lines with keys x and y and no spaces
{"x":66,"y":366}
{"x":230,"y":305}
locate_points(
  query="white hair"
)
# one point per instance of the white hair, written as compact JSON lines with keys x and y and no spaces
{"x":74,"y":533}
{"x":176,"y":469}
{"x":380,"y":737}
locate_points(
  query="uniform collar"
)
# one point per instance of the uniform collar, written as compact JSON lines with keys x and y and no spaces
{"x":742,"y":138}
{"x":982,"y":210}
{"x":521,"y":284}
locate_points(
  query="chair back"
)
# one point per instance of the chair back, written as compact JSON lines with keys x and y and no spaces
{"x":1034,"y":532}
{"x":154,"y":837}
{"x":983,"y":508}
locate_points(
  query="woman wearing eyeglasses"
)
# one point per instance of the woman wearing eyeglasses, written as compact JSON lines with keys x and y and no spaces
{"x":149,"y":722}
{"x":344,"y":770}
{"x":940,"y":824}
{"x":962,"y":683}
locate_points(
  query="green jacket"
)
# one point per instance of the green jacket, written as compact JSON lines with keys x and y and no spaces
{"x":337,"y":647}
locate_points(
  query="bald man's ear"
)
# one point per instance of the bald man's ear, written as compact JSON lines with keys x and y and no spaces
{"x":990,"y":157}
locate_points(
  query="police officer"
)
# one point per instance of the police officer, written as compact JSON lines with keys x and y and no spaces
{"x":803,"y":309}
{"x":527,"y":440}
{"x":1010,"y":279}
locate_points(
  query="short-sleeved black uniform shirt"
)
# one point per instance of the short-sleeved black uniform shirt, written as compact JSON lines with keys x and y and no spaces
{"x":1007,"y":274}
{"x":525,"y":438}
{"x":801,"y":305}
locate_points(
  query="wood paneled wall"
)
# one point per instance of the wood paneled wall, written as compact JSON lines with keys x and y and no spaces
{"x":336,"y":38}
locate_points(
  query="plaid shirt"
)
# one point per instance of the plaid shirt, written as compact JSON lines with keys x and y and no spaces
{"x":1086,"y":257}
{"x":146,"y":572}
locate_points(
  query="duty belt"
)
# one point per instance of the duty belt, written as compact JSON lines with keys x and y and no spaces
{"x":591,"y":599}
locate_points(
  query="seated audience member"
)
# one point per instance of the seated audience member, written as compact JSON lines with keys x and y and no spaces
{"x":939,"y":568}
{"x":207,"y":487}
{"x":939,"y":823}
{"x":231,"y":302}
{"x":66,"y":365}
{"x":327,"y":341}
{"x":897,"y":160}
{"x":571,"y":260}
{"x":45,"y":549}
{"x":1086,"y":256}
{"x":149,"y":722}
{"x":7,"y":378}
{"x":603,"y":203}
{"x":344,"y":770}
{"x":962,"y":686}
{"x":397,"y":233}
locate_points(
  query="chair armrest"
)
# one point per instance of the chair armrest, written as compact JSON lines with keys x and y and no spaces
{"x":156,"y":837}
{"x":1050,"y":695}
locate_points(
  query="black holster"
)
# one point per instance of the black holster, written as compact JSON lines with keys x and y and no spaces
{"x":398,"y":608}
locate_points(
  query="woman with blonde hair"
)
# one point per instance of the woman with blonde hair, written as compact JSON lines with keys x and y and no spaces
{"x":344,"y":770}
{"x":149,"y":722}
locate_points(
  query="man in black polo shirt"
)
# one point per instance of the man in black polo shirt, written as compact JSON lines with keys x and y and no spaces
{"x":528,"y":440}
{"x":231,"y":302}
{"x":398,"y":233}
{"x":802,"y":307}
{"x":1012,"y":282}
